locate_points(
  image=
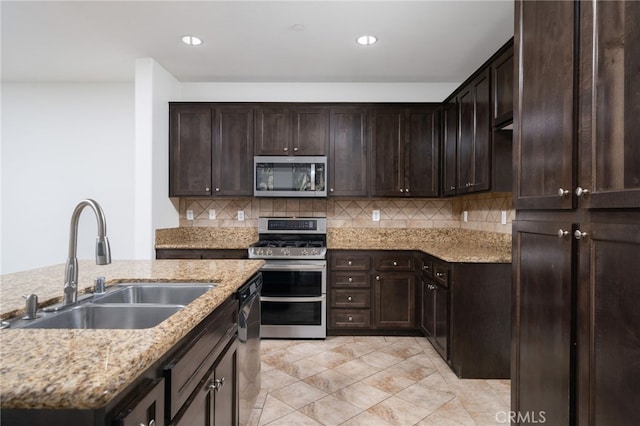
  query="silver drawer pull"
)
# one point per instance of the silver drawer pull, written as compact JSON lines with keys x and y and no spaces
{"x":395,"y":263}
{"x":349,"y":263}
{"x":217,"y":384}
{"x":350,"y":279}
{"x":350,"y":318}
{"x":439,"y":274}
{"x":349,"y":298}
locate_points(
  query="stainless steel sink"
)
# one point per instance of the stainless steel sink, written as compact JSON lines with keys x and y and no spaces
{"x":163,"y":293}
{"x":111,"y":316}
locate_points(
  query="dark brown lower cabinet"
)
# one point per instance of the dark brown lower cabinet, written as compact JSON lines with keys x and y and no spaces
{"x":214,"y":401}
{"x":609,"y":323}
{"x":395,"y":300}
{"x":543,"y":337}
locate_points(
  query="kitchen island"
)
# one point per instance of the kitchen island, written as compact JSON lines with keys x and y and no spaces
{"x":85,"y":369}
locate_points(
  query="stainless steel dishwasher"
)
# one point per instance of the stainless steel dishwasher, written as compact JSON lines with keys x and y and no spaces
{"x":249,"y":319}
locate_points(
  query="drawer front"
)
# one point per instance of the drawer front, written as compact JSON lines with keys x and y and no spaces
{"x":395,"y":262}
{"x":350,"y":298}
{"x":350,"y":318}
{"x":350,"y":279}
{"x":351,"y":262}
{"x":441,"y":274}
{"x":187,"y":368}
{"x":146,"y":406}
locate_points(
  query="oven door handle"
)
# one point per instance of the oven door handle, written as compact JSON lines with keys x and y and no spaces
{"x":297,"y":267}
{"x":292,"y":299}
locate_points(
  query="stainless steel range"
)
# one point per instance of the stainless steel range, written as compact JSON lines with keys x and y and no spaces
{"x":294,"y":290}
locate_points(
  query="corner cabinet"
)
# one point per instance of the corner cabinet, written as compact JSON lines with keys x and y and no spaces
{"x":210,"y":150}
{"x":405,"y":151}
{"x":577,"y":199}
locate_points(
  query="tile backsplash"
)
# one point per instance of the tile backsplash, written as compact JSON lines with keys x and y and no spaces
{"x":484,"y":211}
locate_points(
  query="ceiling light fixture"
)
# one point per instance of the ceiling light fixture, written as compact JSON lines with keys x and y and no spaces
{"x":191,"y":40}
{"x":298,"y":27}
{"x":367,"y":40}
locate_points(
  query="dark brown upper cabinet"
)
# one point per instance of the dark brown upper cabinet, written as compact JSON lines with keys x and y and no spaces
{"x":291,"y":130}
{"x":545,"y":132}
{"x":404,"y":151}
{"x":449,"y":147}
{"x":474,"y":135}
{"x":347,"y":160}
{"x":502,"y":87}
{"x":190,"y":150}
{"x":210,"y":150}
{"x":609,"y":165}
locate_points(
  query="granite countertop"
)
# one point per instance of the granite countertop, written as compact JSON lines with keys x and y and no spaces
{"x":450,"y":244}
{"x":85,"y":369}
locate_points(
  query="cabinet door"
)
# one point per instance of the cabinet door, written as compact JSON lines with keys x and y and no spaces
{"x":395,"y":300}
{"x":190,"y":150}
{"x":272,"y":133}
{"x":387,"y":151}
{"x":474,"y":137}
{"x":225,"y":410}
{"x":146,"y":406}
{"x":427,"y":322}
{"x":441,"y":324}
{"x":310,"y":132}
{"x":610,"y":104}
{"x":502,"y":78}
{"x":233,"y":151}
{"x":543,"y":303}
{"x":422,"y":156}
{"x":544,"y":138}
{"x":609,"y":324}
{"x":449,"y":146}
{"x":347,"y":152}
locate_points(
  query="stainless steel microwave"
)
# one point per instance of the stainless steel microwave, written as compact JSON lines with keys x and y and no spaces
{"x":295,"y":176}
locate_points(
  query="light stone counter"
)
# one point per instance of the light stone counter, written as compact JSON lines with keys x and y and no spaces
{"x":450,"y":244}
{"x":85,"y":369}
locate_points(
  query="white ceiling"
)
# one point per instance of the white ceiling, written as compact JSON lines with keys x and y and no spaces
{"x":252,"y":41}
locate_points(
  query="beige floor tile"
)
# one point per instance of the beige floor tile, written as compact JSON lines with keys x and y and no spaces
{"x":362,"y":395}
{"x":450,"y":414}
{"x":411,"y":370}
{"x":303,"y":368}
{"x":402,"y":349}
{"x":330,"y":411}
{"x":329,"y":381}
{"x":388,"y":382}
{"x":425,"y":397}
{"x":295,"y":419}
{"x":398,"y":411}
{"x":273,"y":409}
{"x":275,"y":379}
{"x":329,"y":359}
{"x":298,"y":394}
{"x":356,"y":369}
{"x":380,"y":360}
{"x":366,"y":419}
{"x":353,"y":350}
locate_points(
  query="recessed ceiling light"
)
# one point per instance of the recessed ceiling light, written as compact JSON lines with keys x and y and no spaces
{"x":366,"y":40}
{"x":298,"y":27}
{"x":191,"y":40}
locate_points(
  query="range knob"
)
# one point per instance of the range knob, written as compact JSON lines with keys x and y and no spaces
{"x":304,"y":252}
{"x":286,"y":252}
{"x":269,"y":252}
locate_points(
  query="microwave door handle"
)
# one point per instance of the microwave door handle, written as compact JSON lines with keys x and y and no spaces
{"x":313,"y":176}
{"x":293,"y":299}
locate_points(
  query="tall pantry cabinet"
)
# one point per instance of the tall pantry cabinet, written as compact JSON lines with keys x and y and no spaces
{"x":576,"y":238}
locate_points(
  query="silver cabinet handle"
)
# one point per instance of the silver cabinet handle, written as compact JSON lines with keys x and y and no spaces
{"x":350,"y":318}
{"x":350,"y":279}
{"x":439,"y":274}
{"x":431,"y":287}
{"x":217,"y":189}
{"x":563,"y":192}
{"x":349,"y":263}
{"x":401,"y":190}
{"x":295,"y":149}
{"x":562,"y":233}
{"x":217,"y":384}
{"x":207,"y":189}
{"x":285,"y":149}
{"x":377,"y":277}
{"x":406,"y":190}
{"x":331,"y":190}
{"x":452,"y":188}
{"x":395,"y":263}
{"x":349,"y":298}
{"x":581,"y":191}
{"x":578,"y":234}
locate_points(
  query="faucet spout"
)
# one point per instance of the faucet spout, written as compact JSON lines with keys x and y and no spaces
{"x":103,"y":249}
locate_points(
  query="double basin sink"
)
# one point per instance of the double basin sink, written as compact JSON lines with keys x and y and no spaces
{"x":123,"y":306}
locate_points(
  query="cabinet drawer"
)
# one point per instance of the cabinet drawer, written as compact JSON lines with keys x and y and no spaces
{"x":146,"y":405}
{"x":441,"y":274}
{"x":427,"y":267}
{"x":401,"y":261}
{"x":188,"y":367}
{"x":350,"y":279}
{"x":350,"y":318}
{"x":351,"y":262}
{"x":350,"y":298}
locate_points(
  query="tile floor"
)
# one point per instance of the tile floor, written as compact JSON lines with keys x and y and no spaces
{"x":352,"y":380}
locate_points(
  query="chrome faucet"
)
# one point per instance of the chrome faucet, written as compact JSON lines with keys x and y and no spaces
{"x":103,"y":250}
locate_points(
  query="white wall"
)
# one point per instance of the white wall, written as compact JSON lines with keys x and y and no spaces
{"x":62,"y":143}
{"x":154,"y":87}
{"x":316,"y":92}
